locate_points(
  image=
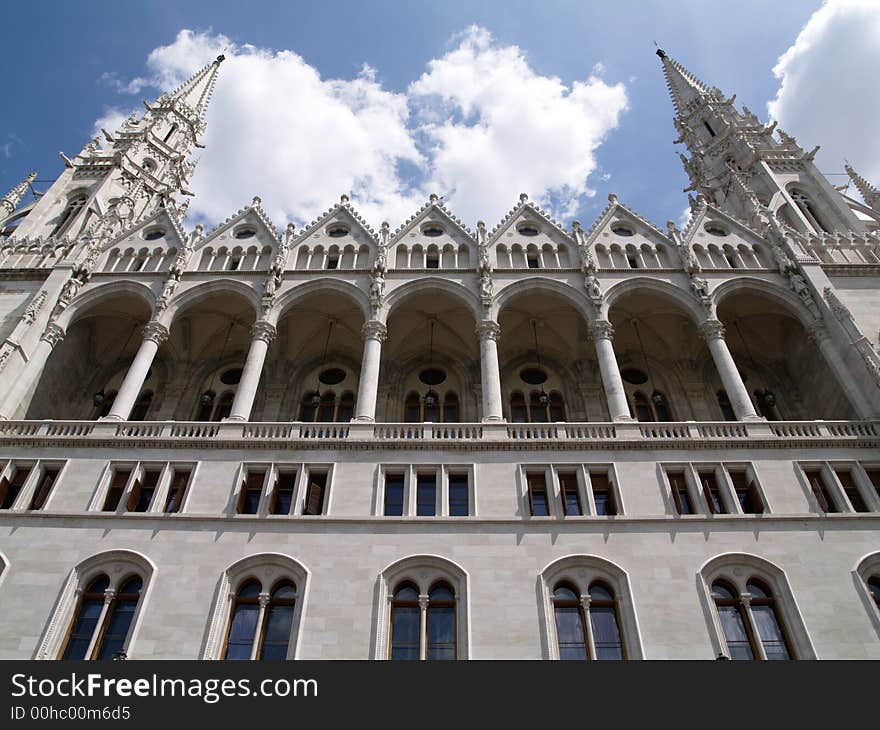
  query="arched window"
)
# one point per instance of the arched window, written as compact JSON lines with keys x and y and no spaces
{"x":532,"y":260}
{"x":327,"y":409}
{"x":874,"y":588}
{"x":557,"y":406}
{"x":538,"y":402}
{"x":412,"y":637}
{"x":808,"y":209}
{"x":141,"y":406}
{"x":431,"y":412}
{"x":655,"y":408}
{"x":171,"y":131}
{"x":451,"y":413}
{"x":105,"y":406}
{"x":308,"y":409}
{"x":260,"y":624}
{"x":644,"y":412}
{"x":224,"y":406}
{"x":518,"y":411}
{"x":103,"y":620}
{"x":755,"y":613}
{"x":725,"y":405}
{"x":589,"y":610}
{"x":345,"y":412}
{"x":206,"y":405}
{"x":74,"y":205}
{"x":432,"y":258}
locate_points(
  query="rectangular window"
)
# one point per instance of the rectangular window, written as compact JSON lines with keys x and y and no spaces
{"x":747,"y":494}
{"x":538,"y":503}
{"x":603,"y":494}
{"x":851,"y":490}
{"x":282,"y":500}
{"x":315,"y":493}
{"x":459,"y":494}
{"x":117,"y":487}
{"x":142,"y":492}
{"x":251,"y":491}
{"x":571,"y":500}
{"x":393,"y":495}
{"x":680,"y":496}
{"x":874,"y":477}
{"x":712,"y":492}
{"x":426,"y":495}
{"x":44,"y":488}
{"x":177,"y":491}
{"x":9,"y":488}
{"x":820,"y":490}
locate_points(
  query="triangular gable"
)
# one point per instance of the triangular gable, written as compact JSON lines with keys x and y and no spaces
{"x":343,"y":212}
{"x":706,"y":212}
{"x":616,"y":212}
{"x":434,"y":209}
{"x":173,"y":238}
{"x":253,"y":214}
{"x":528,"y":210}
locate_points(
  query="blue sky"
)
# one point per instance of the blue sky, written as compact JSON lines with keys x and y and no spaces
{"x":66,"y":76}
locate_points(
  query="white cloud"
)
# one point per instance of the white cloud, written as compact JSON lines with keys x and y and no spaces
{"x":828,"y":92}
{"x":479,"y":124}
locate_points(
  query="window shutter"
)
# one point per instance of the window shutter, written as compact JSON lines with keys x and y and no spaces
{"x":314,"y":499}
{"x":134,"y":496}
{"x":820,"y":495}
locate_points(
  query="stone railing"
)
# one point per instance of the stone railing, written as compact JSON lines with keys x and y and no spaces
{"x":477,"y":435}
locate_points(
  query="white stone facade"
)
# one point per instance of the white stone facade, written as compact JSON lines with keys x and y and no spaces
{"x":531,"y":427}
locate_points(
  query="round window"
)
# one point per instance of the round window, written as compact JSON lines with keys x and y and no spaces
{"x":231,"y":377}
{"x":432,"y":376}
{"x":715,"y":230}
{"x":533,"y":376}
{"x":623,"y":231}
{"x":245,"y":233}
{"x":432,"y":231}
{"x":332,"y":376}
{"x":153,"y":234}
{"x":634,"y":376}
{"x":528,"y":230}
{"x":337,"y":232}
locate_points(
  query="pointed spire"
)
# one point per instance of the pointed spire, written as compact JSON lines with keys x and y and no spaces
{"x":870,"y":194}
{"x":10,"y":201}
{"x":684,"y":87}
{"x":192,"y":97}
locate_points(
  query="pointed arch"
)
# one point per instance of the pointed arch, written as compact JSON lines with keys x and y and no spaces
{"x":419,"y":286}
{"x":642,"y":284}
{"x":92,"y":296}
{"x":290,"y":297}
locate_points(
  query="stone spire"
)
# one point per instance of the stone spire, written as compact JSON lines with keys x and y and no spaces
{"x":10,"y":201}
{"x":191,"y":98}
{"x":684,"y":87}
{"x":870,"y":194}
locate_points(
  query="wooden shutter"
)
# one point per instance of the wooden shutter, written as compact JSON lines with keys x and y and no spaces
{"x":314,"y":499}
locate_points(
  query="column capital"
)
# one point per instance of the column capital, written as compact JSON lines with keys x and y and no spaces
{"x":53,"y":334}
{"x":488,"y":330}
{"x":264,"y":331}
{"x":423,"y":601}
{"x":601,"y":329}
{"x":374,"y":330}
{"x":155,"y":332}
{"x":712,"y":329}
{"x":264,"y":599}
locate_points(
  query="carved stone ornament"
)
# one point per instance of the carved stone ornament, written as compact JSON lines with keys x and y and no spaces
{"x":488,"y":330}
{"x":594,"y":290}
{"x":374,"y":330}
{"x":712,"y":329}
{"x":263,"y":331}
{"x":601,"y":329}
{"x":486,"y":288}
{"x":155,"y":332}
{"x":30,"y":314}
{"x":53,"y":334}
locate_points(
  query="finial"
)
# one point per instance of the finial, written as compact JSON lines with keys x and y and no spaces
{"x":200,"y":229}
{"x":576,"y":225}
{"x":291,"y":229}
{"x":386,"y":226}
{"x":343,"y":198}
{"x":660,"y":52}
{"x":612,"y":198}
{"x":433,"y":197}
{"x":523,"y":197}
{"x":220,"y":59}
{"x":256,"y":201}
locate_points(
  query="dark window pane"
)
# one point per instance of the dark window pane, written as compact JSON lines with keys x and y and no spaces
{"x":852,"y":491}
{"x":458,"y":495}
{"x":570,"y":633}
{"x":441,"y":632}
{"x":241,"y":633}
{"x":393,"y":495}
{"x":405,"y":632}
{"x":770,"y":632}
{"x":712,"y":493}
{"x":44,"y":489}
{"x":603,"y":495}
{"x":117,"y":486}
{"x":284,"y":493}
{"x":83,"y":628}
{"x":118,"y":624}
{"x":735,"y":632}
{"x":176,"y":491}
{"x":605,"y":632}
{"x":570,"y":498}
{"x":277,"y":636}
{"x":538,"y":495}
{"x":426,"y":495}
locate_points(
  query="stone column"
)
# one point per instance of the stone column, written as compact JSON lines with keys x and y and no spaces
{"x":712,"y":331}
{"x":602,"y":333}
{"x":52,"y":335}
{"x":374,"y":334}
{"x":154,"y":335}
{"x":262,"y":333}
{"x":490,"y":375}
{"x":819,"y":334}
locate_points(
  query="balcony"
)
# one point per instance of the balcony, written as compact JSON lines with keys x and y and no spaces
{"x":472,"y":436}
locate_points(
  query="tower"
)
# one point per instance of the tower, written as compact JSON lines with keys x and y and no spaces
{"x":741,"y":166}
{"x":144,"y":164}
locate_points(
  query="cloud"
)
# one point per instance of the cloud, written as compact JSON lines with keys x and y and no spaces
{"x":828,"y":93}
{"x":479,"y":125}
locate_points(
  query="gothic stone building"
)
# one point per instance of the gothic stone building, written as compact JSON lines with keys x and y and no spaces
{"x":527,"y":440}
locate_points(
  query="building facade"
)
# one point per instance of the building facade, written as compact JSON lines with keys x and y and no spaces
{"x":531,"y":441}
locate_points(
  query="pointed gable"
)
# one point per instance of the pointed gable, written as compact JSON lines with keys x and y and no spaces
{"x":621,"y":237}
{"x":339,"y":239}
{"x":720,"y":241}
{"x":246,"y":241}
{"x":432,"y":238}
{"x":151,"y":244}
{"x":527,"y":237}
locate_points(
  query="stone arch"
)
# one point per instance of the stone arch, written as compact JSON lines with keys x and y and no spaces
{"x":290,"y":297}
{"x":399,"y":295}
{"x":787,"y":298}
{"x":532,"y":284}
{"x":680,"y":296}
{"x":92,"y":296}
{"x":191,"y":297}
